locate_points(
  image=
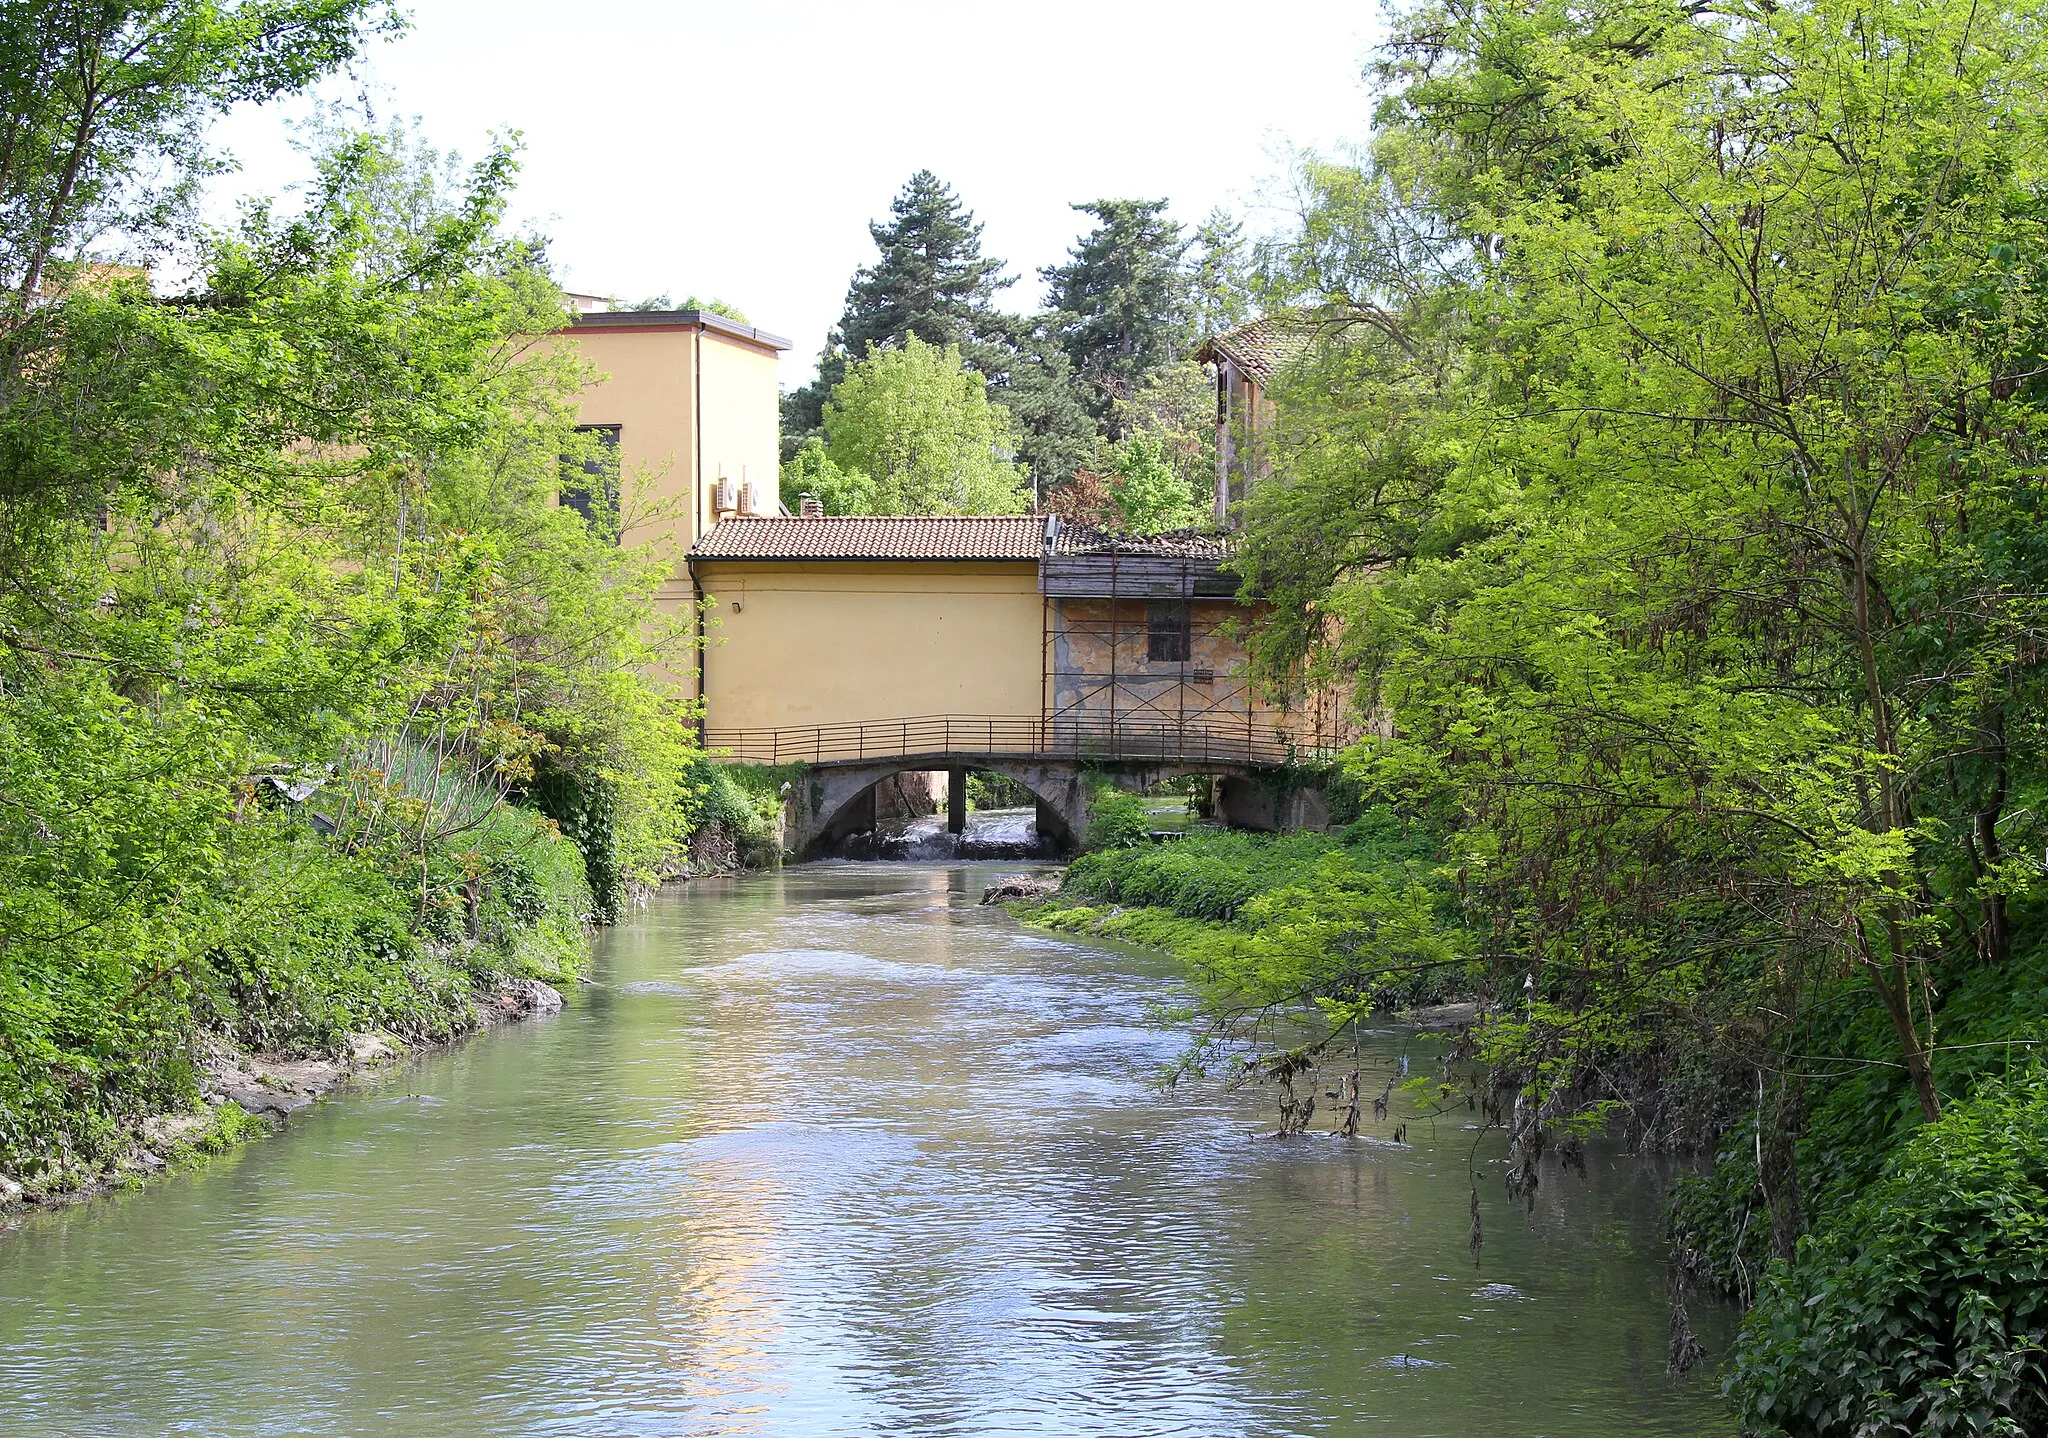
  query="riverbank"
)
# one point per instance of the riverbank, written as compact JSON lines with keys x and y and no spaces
{"x":245,"y":1095}
{"x":297,"y":961}
{"x":837,"y":1149}
{"x":1815,"y":1195}
{"x":1262,"y":921}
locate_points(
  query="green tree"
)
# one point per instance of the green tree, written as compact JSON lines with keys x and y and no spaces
{"x":1120,"y":304}
{"x":105,"y":108}
{"x":1149,"y":494}
{"x":690,"y":302}
{"x":288,"y":542}
{"x":930,"y":281}
{"x":918,"y":422}
{"x":1667,"y":485}
{"x":1220,"y":275}
{"x":1055,"y":433}
{"x":811,"y":471}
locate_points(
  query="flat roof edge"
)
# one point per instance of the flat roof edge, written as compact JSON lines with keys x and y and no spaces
{"x":666,"y":319}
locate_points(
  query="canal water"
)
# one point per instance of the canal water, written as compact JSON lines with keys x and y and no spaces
{"x":836,"y":1151}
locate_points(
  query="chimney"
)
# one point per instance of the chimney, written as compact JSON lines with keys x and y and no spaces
{"x":809,"y":506}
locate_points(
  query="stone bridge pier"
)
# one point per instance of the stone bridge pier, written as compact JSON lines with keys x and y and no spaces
{"x":832,"y":801}
{"x":837,"y":799}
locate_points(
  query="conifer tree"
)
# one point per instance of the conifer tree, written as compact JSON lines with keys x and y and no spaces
{"x":1055,"y":434}
{"x":1120,"y":302}
{"x":930,"y":280}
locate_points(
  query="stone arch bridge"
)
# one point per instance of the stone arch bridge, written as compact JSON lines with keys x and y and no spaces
{"x":843,"y":764}
{"x":1033,"y":648}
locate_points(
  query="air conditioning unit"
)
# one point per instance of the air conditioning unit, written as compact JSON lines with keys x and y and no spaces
{"x":747,"y":498}
{"x":724,"y":497}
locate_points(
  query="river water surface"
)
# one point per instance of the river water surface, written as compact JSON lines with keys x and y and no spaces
{"x":836,"y":1151}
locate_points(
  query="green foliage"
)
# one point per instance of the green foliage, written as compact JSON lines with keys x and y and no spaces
{"x":690,"y":302}
{"x":917,"y":422}
{"x":1203,"y":876}
{"x":1221,"y":282}
{"x":1857,"y":1108}
{"x":1055,"y":433}
{"x":585,"y":808}
{"x":1120,"y":303}
{"x":1149,"y":495}
{"x":107,"y":106}
{"x":1921,"y":1307}
{"x":1116,"y":820}
{"x":1664,"y":483}
{"x":930,"y":282}
{"x":997,"y":791}
{"x":229,"y":1127}
{"x":744,"y":801}
{"x":1314,"y":931}
{"x":1673,"y":638}
{"x":291,"y":618}
{"x":811,"y":470}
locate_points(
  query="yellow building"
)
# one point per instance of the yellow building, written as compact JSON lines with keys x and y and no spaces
{"x":873,"y":645}
{"x":688,"y":403}
{"x":846,"y":638}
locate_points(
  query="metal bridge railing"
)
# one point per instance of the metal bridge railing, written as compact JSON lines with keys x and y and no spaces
{"x":1076,"y":737}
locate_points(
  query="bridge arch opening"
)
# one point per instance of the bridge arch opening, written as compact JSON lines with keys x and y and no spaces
{"x":846,"y":810}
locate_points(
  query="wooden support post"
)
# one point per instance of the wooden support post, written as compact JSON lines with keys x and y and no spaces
{"x":956,"y":801}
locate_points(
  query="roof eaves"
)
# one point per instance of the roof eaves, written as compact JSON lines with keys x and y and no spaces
{"x":670,"y":319}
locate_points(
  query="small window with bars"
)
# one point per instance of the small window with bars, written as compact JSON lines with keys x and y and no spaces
{"x":590,"y":479}
{"x":1168,"y":632}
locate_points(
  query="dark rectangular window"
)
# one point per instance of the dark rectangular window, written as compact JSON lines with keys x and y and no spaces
{"x":590,"y":481}
{"x":1167,"y":637}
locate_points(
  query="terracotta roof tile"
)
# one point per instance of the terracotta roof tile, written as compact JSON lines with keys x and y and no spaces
{"x":1174,"y":544}
{"x":1019,"y":537}
{"x":1260,"y":347}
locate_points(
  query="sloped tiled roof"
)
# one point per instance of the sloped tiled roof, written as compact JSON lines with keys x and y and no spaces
{"x":1260,"y":347}
{"x":1174,"y":544}
{"x":876,"y":537}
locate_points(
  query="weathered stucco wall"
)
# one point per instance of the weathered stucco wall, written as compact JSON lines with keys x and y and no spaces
{"x":797,"y":644}
{"x":1210,"y":690}
{"x":1086,"y":631}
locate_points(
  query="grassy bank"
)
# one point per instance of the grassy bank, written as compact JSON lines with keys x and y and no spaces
{"x":1320,"y":929}
{"x":121,"y":1047}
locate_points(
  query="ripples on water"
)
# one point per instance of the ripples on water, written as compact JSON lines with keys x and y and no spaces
{"x":835,"y":1151}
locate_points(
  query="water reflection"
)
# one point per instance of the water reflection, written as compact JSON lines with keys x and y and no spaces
{"x":836,"y":1151}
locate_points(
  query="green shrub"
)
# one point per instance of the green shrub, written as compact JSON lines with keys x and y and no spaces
{"x":292,"y":944}
{"x":1117,"y":821}
{"x":996,"y":791}
{"x":744,"y":800}
{"x":585,"y":808}
{"x":1203,"y":876}
{"x":1922,"y":1307}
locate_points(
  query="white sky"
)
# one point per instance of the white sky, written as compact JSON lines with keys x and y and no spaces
{"x":738,"y":150}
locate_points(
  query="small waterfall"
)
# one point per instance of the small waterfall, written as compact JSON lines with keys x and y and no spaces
{"x":990,"y":834}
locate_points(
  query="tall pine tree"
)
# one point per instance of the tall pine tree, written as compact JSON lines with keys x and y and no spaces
{"x":1120,"y":302}
{"x":1055,"y":434}
{"x":930,"y":280}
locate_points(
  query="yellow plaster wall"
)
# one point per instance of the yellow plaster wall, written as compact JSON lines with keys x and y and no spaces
{"x":797,"y":644}
{"x":647,"y":387}
{"x":741,"y":419}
